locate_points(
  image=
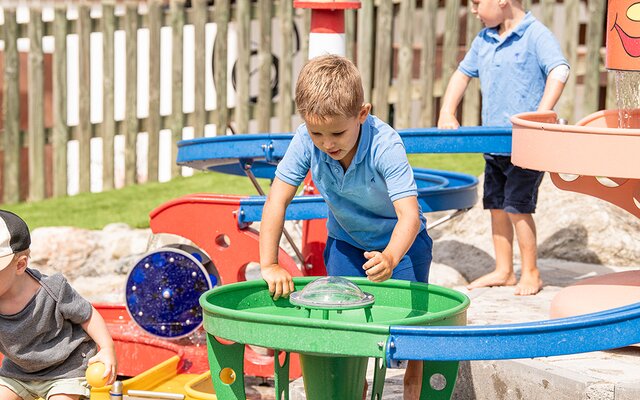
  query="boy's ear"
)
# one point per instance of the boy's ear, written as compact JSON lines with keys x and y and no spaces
{"x":21,"y":263}
{"x":364,"y":112}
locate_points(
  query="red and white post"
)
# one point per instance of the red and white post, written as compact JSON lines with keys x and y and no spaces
{"x":327,"y":25}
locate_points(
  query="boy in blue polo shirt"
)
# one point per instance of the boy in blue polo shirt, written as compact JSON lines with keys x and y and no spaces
{"x":358,"y":163}
{"x":521,"y":68}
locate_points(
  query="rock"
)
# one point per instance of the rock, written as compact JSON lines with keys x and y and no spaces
{"x":571,"y":226}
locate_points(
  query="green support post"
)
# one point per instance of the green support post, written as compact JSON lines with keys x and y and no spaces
{"x":438,"y":379}
{"x":226,"y":362}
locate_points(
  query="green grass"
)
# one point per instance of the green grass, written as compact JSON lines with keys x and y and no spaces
{"x":132,"y":205}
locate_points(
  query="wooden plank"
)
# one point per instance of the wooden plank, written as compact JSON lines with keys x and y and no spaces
{"x":131,"y":96}
{"x":471,"y":99}
{"x":428,"y":61}
{"x":153,"y":131}
{"x":222,"y":8}
{"x":264,"y":69}
{"x":305,"y":29}
{"x":285,"y":109}
{"x":405,"y":64}
{"x":36,"y":107}
{"x":108,"y":130}
{"x":382,"y":69}
{"x":350,"y":33}
{"x":11,"y":110}
{"x":366,"y":26}
{"x":450,"y":47}
{"x":200,"y":18}
{"x":84,"y":97}
{"x":547,"y":12}
{"x":242,"y":66}
{"x":596,"y":12}
{"x":60,"y":130}
{"x":177,"y":114}
{"x":569,"y":45}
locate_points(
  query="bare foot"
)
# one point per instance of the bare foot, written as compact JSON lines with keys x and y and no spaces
{"x":529,"y":284}
{"x":494,"y":278}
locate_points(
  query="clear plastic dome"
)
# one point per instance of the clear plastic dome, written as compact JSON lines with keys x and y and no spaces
{"x":332,"y":292}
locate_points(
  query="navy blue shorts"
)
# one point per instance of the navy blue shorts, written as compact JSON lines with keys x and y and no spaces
{"x":508,"y":187}
{"x":343,"y":259}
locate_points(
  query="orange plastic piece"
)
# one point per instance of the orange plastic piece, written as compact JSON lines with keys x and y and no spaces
{"x":623,"y":35}
{"x":210,"y":222}
{"x":593,"y":148}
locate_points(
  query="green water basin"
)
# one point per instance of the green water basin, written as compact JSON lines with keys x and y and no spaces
{"x":334,"y":344}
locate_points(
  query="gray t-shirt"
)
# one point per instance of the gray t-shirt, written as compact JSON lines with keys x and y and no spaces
{"x":45,"y":340}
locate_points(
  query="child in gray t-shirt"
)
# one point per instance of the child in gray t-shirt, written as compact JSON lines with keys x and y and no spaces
{"x":48,"y":332}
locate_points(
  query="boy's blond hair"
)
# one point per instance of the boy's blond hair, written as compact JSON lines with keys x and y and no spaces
{"x":329,"y":86}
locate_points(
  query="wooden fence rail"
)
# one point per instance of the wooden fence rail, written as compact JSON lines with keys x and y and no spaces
{"x":406,"y":51}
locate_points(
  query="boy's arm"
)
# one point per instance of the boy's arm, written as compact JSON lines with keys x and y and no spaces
{"x":452,"y":96}
{"x":96,"y":328}
{"x":278,"y":279}
{"x":552,"y":91}
{"x":380,"y":265}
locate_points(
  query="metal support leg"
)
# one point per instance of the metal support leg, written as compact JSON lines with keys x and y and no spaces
{"x":247,"y":170}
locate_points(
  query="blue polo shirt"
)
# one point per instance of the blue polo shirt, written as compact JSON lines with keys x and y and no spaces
{"x":512,"y":69}
{"x":360,"y":199}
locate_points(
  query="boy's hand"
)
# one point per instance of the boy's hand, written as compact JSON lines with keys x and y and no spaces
{"x":379,"y":267}
{"x":278,"y":279}
{"x":107,"y":356}
{"x":448,"y":121}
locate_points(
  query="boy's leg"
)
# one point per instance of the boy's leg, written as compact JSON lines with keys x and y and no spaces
{"x":65,"y":397}
{"x":502,"y":235}
{"x":530,"y":282}
{"x":412,"y":380}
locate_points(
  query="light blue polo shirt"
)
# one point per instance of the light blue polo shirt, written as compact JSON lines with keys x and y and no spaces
{"x":360,"y":199}
{"x":513,"y":69}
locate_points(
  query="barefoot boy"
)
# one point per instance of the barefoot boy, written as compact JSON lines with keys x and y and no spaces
{"x":521,"y":68}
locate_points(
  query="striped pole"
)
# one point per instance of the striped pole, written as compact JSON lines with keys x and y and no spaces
{"x":327,"y":25}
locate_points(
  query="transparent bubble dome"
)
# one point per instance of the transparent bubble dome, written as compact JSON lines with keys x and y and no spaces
{"x":331,"y":292}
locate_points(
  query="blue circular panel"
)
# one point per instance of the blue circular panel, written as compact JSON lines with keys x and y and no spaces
{"x":162,"y":293}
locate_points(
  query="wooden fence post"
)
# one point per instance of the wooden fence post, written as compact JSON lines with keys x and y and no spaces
{"x":220,"y":73}
{"x":11,"y":110}
{"x":405,"y":66}
{"x":153,"y":128}
{"x":242,"y":65}
{"x":264,"y":71}
{"x":84,"y":100}
{"x":366,"y":25}
{"x":428,"y":61}
{"x":131,"y":96}
{"x":108,"y":119}
{"x":285,"y":65}
{"x":199,"y":8}
{"x":60,"y":128}
{"x":36,"y":137}
{"x":176,"y":122}
{"x":383,"y":60}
